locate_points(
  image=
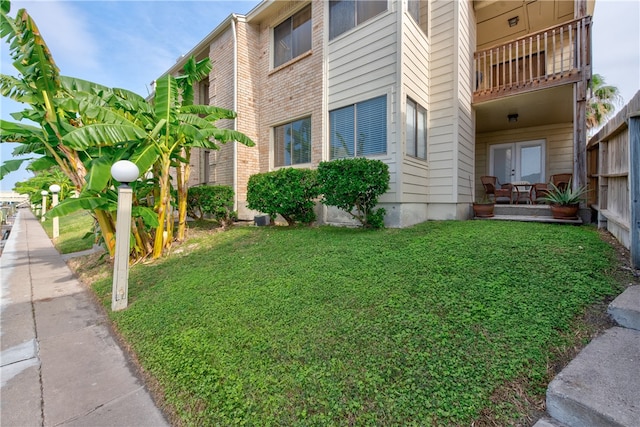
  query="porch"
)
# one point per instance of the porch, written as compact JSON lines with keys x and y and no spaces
{"x":555,"y":56}
{"x":532,"y":213}
{"x":529,"y":102}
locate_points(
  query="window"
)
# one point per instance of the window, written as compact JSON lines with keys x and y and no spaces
{"x":359,"y":129}
{"x":292,"y":37}
{"x":416,"y":130}
{"x":206,"y":166}
{"x":203,"y":94}
{"x":346,"y":14}
{"x":418,"y":11}
{"x":292,"y":143}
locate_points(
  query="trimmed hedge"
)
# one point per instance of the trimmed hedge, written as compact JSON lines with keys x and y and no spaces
{"x":289,"y":192}
{"x":215,"y":201}
{"x":354,"y":186}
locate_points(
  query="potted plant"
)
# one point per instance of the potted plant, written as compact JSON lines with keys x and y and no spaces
{"x":483,"y":208}
{"x":565,"y":202}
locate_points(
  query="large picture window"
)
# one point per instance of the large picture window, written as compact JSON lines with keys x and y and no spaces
{"x":346,"y":14}
{"x":360,"y":129}
{"x":292,"y":38}
{"x":292,"y":143}
{"x":416,"y":130}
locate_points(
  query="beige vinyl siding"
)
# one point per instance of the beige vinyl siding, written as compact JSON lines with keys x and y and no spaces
{"x":362,"y":61}
{"x":362,"y":64}
{"x":465,"y":126}
{"x":415,"y":81}
{"x":442,"y":103}
{"x":558,"y":148}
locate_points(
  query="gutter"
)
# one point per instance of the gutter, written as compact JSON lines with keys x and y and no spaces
{"x":234,"y":18}
{"x":203,"y":44}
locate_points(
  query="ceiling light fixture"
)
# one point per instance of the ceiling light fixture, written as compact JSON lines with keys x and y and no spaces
{"x":513,"y":21}
{"x":512,"y":118}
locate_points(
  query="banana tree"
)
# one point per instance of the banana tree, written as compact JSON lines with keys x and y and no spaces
{"x":39,"y":86}
{"x":163,"y":132}
{"x":84,"y":127}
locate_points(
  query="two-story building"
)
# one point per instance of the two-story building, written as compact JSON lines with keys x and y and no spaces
{"x":442,"y":91}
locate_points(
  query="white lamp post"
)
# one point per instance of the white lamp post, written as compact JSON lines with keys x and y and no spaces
{"x":55,"y":189}
{"x":44,"y":204}
{"x":124,"y":172}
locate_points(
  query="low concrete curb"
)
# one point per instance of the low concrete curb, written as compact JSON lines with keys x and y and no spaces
{"x":601,"y":386}
{"x":625,"y":309}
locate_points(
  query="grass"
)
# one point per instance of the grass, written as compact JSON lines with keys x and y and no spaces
{"x":73,"y":229}
{"x":335,"y":326}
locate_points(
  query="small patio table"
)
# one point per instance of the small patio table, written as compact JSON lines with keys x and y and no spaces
{"x":522,"y":190}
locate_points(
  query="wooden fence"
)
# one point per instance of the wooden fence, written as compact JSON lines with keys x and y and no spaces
{"x":613,"y":173}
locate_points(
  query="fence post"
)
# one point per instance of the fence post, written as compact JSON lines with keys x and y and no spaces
{"x":634,"y":188}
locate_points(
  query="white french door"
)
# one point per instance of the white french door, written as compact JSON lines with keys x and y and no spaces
{"x":518,"y":161}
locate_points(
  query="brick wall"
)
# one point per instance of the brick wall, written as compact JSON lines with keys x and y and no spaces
{"x":265,"y":97}
{"x":293,"y":90}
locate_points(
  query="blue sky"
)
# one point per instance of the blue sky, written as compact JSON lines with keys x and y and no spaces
{"x":128,"y":44}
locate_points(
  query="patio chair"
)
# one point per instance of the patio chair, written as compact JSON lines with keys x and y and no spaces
{"x":561,"y":180}
{"x":539,"y":190}
{"x":496,"y":191}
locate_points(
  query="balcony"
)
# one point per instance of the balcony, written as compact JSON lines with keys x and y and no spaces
{"x":556,"y":56}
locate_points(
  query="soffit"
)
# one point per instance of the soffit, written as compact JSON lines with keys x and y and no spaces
{"x":538,"y":108}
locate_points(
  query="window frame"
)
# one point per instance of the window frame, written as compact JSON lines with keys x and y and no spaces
{"x":295,"y":50}
{"x":277,"y":146}
{"x":352,"y":147}
{"x":356,"y":18}
{"x":418,"y":111}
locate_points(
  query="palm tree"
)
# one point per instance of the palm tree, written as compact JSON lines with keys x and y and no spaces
{"x":602,"y":102}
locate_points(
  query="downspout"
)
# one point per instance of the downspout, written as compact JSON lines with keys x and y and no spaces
{"x":235,"y":108}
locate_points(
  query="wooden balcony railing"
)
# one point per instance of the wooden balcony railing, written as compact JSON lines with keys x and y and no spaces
{"x":551,"y":57}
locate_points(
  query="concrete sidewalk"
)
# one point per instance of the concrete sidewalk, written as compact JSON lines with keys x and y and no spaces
{"x":60,"y":363}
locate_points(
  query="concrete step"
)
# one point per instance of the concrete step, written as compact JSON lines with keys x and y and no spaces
{"x":625,"y":309}
{"x":527,"y":218}
{"x":601,"y":386}
{"x":528,"y":210}
{"x":548,"y":422}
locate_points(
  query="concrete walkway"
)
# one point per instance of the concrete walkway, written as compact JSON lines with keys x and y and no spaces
{"x":601,"y":386}
{"x":60,"y":365}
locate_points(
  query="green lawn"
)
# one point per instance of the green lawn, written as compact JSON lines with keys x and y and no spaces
{"x":335,"y":326}
{"x":73,"y":230}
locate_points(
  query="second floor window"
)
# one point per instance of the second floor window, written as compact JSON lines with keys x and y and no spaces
{"x":292,"y":38}
{"x":292,"y":143}
{"x":360,"y":129}
{"x":418,"y":11}
{"x":346,"y":14}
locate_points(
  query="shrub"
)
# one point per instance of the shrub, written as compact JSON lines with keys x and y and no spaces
{"x":215,"y":201}
{"x":355,"y":185}
{"x":289,"y":192}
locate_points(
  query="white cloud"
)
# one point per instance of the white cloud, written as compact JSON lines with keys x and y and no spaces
{"x":616,"y":44}
{"x":67,"y":31}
